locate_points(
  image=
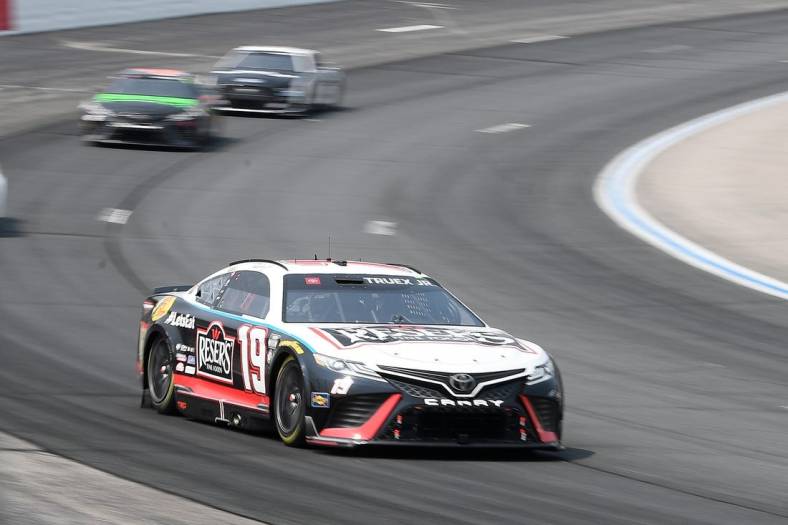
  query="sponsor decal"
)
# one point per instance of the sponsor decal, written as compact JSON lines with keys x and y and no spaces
{"x":162,"y":308}
{"x":186,"y":349}
{"x":180,"y":320}
{"x":463,"y":402}
{"x":295,"y":345}
{"x":395,"y":334}
{"x":215,"y":353}
{"x":398,"y":281}
{"x":179,"y":367}
{"x":180,"y":357}
{"x":190,"y":360}
{"x":167,"y":101}
{"x":342,"y":386}
{"x":321,"y":400}
{"x":312,"y":281}
{"x":189,"y":370}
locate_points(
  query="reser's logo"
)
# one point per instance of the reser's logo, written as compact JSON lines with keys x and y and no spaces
{"x":462,"y":383}
{"x":215,"y":353}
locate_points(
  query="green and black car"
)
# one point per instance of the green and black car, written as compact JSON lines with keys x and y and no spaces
{"x":150,"y":107}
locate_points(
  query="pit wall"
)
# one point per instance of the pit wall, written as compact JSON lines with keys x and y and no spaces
{"x":30,"y":16}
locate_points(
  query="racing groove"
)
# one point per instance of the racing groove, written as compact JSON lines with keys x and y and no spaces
{"x":675,"y":379}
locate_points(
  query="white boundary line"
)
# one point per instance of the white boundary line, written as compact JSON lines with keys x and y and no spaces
{"x":535,"y":39}
{"x":503,"y":128}
{"x":614,"y":193}
{"x":408,"y":29}
{"x":106,"y":48}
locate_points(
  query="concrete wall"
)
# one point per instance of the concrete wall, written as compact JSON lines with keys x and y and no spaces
{"x":28,"y":16}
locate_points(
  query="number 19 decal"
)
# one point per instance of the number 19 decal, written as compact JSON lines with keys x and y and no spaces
{"x":253,"y":347}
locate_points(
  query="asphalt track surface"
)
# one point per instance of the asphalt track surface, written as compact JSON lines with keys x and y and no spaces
{"x":675,"y":379}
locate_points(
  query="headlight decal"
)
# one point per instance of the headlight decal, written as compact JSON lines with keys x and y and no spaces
{"x":348,"y":368}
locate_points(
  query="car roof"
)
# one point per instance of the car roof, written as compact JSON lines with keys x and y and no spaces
{"x":176,"y":74}
{"x":323,"y":266}
{"x":275,"y":49}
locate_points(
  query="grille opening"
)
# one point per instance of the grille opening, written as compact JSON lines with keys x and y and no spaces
{"x":443,"y":377}
{"x":138,"y":135}
{"x":456,"y":425}
{"x":547,"y":412}
{"x":470,"y":427}
{"x":354,"y":411}
{"x":416,"y":389}
{"x":425,"y":389}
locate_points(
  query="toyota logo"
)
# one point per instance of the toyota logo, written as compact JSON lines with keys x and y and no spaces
{"x":462,"y":383}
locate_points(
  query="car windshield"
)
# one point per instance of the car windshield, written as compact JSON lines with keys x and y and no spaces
{"x":157,"y":87}
{"x":368,"y":299}
{"x":264,"y":61}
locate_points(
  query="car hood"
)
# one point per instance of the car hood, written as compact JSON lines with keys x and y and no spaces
{"x":144,"y":104}
{"x":435,"y":348}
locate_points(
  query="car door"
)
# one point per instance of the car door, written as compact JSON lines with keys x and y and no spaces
{"x":329,"y":83}
{"x":244,"y":303}
{"x":226,"y":382}
{"x":214,"y":341}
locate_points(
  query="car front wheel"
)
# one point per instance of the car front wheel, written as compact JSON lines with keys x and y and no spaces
{"x":290,"y":403}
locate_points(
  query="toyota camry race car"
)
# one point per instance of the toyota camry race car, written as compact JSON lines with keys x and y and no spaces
{"x":150,"y":106}
{"x":343,"y":353}
{"x":259,"y":79}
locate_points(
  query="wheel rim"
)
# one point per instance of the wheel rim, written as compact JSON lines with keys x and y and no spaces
{"x":289,"y":401}
{"x":159,"y":371}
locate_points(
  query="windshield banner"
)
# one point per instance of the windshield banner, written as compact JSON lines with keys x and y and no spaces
{"x":400,"y":334}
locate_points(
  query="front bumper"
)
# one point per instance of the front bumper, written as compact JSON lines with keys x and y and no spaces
{"x":184,"y":134}
{"x":259,"y":99}
{"x":504,"y":415}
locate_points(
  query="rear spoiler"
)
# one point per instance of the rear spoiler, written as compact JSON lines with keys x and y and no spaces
{"x":168,"y":289}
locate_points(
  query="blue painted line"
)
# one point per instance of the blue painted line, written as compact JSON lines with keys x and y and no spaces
{"x":623,"y":206}
{"x":614,"y":194}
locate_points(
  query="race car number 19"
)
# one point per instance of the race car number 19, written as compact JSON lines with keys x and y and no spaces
{"x":253,"y":347}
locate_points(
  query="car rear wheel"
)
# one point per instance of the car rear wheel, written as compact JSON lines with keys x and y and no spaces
{"x":290,"y":403}
{"x":161,"y":386}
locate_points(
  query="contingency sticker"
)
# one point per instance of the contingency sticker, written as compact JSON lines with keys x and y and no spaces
{"x":162,"y":308}
{"x":321,"y":400}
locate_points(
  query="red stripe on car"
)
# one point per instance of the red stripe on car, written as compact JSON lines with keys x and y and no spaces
{"x":545,"y":436}
{"x":368,"y":430}
{"x":228,"y":394}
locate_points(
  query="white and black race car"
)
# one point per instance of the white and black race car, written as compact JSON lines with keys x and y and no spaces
{"x":266,"y":79}
{"x":344,"y":353}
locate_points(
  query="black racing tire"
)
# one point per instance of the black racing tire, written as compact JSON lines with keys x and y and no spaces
{"x":341,"y":97}
{"x":290,"y":404}
{"x":161,"y":382}
{"x":206,"y":135}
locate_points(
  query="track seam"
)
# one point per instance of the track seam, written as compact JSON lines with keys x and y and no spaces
{"x":674,"y":489}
